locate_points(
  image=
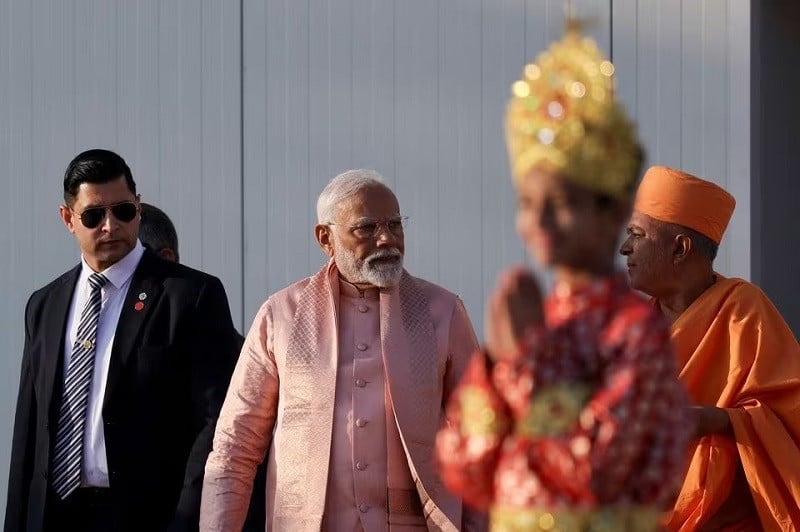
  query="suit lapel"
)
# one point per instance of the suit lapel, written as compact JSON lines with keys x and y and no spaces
{"x":55,"y":327}
{"x":143,"y":294}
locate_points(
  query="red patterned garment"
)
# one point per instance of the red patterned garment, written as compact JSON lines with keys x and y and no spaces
{"x":584,"y":428}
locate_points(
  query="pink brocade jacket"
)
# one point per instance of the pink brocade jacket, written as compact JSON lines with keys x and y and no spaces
{"x":281,"y":399}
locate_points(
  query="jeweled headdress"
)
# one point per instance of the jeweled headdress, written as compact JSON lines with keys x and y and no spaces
{"x":563,"y":115}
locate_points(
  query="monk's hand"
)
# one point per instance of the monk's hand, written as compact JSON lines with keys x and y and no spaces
{"x":710,"y":420}
{"x":514,"y":306}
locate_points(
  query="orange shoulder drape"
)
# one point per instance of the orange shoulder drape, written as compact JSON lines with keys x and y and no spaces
{"x":735,"y":351}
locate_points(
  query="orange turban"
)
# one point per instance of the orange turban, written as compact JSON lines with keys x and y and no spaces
{"x":679,"y":198}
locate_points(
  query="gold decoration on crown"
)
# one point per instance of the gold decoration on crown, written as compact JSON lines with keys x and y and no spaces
{"x":563,"y":116}
{"x":608,"y":519}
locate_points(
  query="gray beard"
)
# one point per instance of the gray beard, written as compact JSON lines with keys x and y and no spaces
{"x":368,"y":271}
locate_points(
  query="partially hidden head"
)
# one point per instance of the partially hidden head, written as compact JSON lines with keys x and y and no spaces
{"x":677,"y":224}
{"x":101,"y":207}
{"x":359,"y":224}
{"x":157,"y":232}
{"x":574,"y":156}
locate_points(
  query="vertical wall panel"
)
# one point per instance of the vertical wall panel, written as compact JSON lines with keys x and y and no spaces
{"x":459,"y":157}
{"x":23,"y":210}
{"x":684,"y":79}
{"x":416,"y":55}
{"x":297,"y":232}
{"x":739,"y":241}
{"x":257,"y":146}
{"x":219,"y":215}
{"x":502,"y":59}
{"x":373,"y":87}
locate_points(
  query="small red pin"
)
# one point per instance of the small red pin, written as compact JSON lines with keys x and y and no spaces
{"x":138,"y":306}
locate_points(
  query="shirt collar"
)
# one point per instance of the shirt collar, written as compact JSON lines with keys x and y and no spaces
{"x":122,"y":270}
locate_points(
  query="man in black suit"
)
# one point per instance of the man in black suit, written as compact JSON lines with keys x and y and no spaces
{"x":157,"y":232}
{"x":126,"y":362}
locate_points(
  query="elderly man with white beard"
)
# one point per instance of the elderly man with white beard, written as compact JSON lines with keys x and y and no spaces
{"x":343,"y":378}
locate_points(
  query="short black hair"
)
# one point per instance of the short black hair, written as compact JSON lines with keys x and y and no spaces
{"x":156,"y":230}
{"x":703,"y":244}
{"x":95,"y":166}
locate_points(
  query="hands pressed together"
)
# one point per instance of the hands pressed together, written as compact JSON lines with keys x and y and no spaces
{"x":514,"y":306}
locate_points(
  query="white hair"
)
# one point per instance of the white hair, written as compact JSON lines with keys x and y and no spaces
{"x":342,"y":187}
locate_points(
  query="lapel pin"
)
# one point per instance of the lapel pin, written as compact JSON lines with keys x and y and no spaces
{"x":142,"y":296}
{"x":138,"y":306}
{"x":87,"y":344}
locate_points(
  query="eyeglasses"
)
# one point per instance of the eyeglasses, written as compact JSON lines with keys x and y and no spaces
{"x":94,"y":216}
{"x":371,"y":228}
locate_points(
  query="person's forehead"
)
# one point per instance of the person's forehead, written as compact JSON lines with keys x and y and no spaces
{"x":98,"y":194}
{"x":371,"y":202}
{"x":643,"y":220}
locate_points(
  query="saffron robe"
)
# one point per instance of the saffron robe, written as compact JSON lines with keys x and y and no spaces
{"x":735,"y":351}
{"x":282,"y":397}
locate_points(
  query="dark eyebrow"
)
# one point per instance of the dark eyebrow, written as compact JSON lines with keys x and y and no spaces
{"x":105,"y":205}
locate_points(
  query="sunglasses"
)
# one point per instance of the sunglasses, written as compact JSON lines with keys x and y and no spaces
{"x":94,"y":216}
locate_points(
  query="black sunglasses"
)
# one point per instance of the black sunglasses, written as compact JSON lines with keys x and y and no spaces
{"x":94,"y":216}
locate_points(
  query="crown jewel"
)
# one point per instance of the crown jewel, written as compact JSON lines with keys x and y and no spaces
{"x":563,"y":115}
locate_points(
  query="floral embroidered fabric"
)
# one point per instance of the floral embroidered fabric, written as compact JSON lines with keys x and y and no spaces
{"x":588,"y":415}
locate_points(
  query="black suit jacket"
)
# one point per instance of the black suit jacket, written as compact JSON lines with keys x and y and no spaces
{"x":169,"y":370}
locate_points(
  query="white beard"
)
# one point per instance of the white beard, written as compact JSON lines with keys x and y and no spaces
{"x":367,"y":271}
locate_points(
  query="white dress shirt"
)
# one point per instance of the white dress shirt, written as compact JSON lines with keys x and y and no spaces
{"x":94,"y":467}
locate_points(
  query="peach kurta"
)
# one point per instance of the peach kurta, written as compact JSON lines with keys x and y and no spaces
{"x":284,"y":393}
{"x":736,"y":352}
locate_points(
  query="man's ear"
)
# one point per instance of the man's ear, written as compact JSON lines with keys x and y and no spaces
{"x":65,"y":213}
{"x":168,"y":254}
{"x":324,"y":238}
{"x":682,"y":246}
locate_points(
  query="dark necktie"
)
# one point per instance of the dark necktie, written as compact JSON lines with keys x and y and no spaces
{"x":72,"y":416}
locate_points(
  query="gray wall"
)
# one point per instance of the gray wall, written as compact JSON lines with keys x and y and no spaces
{"x":775,"y":147}
{"x":233,"y":116}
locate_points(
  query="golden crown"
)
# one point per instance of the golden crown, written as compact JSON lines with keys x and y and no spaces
{"x":563,"y":116}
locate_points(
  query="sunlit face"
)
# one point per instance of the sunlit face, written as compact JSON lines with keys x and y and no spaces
{"x":366,"y":238}
{"x":648,"y":249}
{"x":561,"y":222}
{"x":112,"y":239}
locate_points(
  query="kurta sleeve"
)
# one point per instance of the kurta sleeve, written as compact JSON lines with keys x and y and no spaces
{"x":461,"y":345}
{"x":244,"y":430}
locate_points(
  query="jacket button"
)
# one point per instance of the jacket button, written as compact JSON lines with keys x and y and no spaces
{"x":363,"y":507}
{"x":361,"y":423}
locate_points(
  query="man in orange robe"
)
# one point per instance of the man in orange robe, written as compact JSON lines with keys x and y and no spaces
{"x":737,"y":357}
